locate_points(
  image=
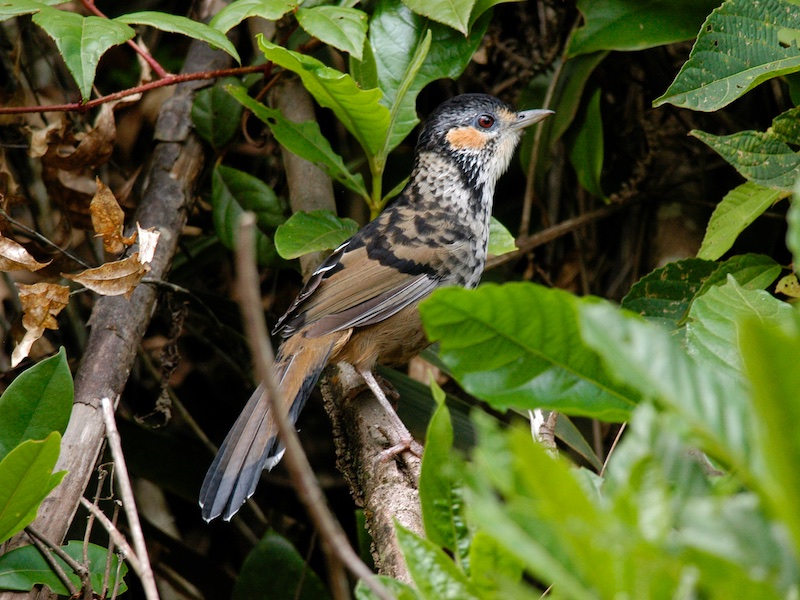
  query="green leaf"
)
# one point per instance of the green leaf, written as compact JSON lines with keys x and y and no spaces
{"x":500,"y":239}
{"x":400,"y":590}
{"x":22,"y":568}
{"x":435,"y":575}
{"x":741,"y":45}
{"x":637,"y":24}
{"x":36,"y":403}
{"x":645,"y":357}
{"x":716,"y":318}
{"x":586,"y":150}
{"x":364,"y":70}
{"x":27,"y":476}
{"x":760,"y":157}
{"x":275,"y":565}
{"x":793,"y":232}
{"x":771,"y":355}
{"x":313,"y":231}
{"x":453,"y":13}
{"x":491,"y":565}
{"x":9,"y":9}
{"x":517,"y":345}
{"x":184,"y":26}
{"x":232,"y":193}
{"x":215,"y":115}
{"x":305,"y":140}
{"x":358,"y":110}
{"x":82,"y":41}
{"x":440,"y":494}
{"x":738,"y":209}
{"x":342,"y":28}
{"x":751,"y":271}
{"x":395,"y":34}
{"x":236,"y":12}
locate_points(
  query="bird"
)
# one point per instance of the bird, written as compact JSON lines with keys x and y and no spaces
{"x":360,"y":306}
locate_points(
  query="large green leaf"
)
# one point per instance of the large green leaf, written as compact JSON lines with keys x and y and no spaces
{"x":435,"y":575}
{"x":24,"y":567}
{"x":741,"y":45}
{"x":342,"y":28}
{"x":82,"y":41}
{"x":27,"y":476}
{"x":637,"y":24}
{"x":232,"y":193}
{"x":454,"y":13}
{"x":517,"y":345}
{"x":740,"y":207}
{"x":36,"y":403}
{"x":771,"y":355}
{"x":184,"y":26}
{"x":440,"y":494}
{"x":645,"y":357}
{"x":15,"y":8}
{"x":761,"y":157}
{"x":313,"y":231}
{"x":716,"y":318}
{"x":395,"y":34}
{"x":236,"y":12}
{"x":275,"y":565}
{"x":305,"y":140}
{"x":359,"y":110}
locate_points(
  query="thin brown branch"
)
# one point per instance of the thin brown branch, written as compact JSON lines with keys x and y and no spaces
{"x":44,"y":549}
{"x":115,"y":534}
{"x":128,"y":501}
{"x":335,"y":543}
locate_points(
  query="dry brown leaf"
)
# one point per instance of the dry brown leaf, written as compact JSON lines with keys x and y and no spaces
{"x":42,"y":138}
{"x":108,"y":220}
{"x":77,"y":151}
{"x":41,"y":303}
{"x":14,"y":257}
{"x":116,"y":278}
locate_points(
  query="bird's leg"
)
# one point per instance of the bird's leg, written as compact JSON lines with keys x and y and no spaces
{"x":407,"y":442}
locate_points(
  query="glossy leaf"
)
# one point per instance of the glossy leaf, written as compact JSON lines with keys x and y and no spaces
{"x":761,"y":157}
{"x":741,"y":45}
{"x":184,"y":26}
{"x":236,"y":12}
{"x":500,"y":239}
{"x":440,"y":494}
{"x":435,"y":575}
{"x":716,"y":318}
{"x":738,"y":209}
{"x":342,"y":28}
{"x":27,"y":476}
{"x":36,"y":403}
{"x":645,"y":357}
{"x":586,"y":150}
{"x":771,"y":355}
{"x":275,"y":565}
{"x":358,"y":110}
{"x":215,"y":115}
{"x":233,"y":192}
{"x":453,"y":13}
{"x":637,"y":24}
{"x":22,"y":568}
{"x":305,"y":140}
{"x":517,"y":345}
{"x":313,"y":231}
{"x":82,"y":41}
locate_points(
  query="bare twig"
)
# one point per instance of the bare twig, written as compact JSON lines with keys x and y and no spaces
{"x":42,"y":547}
{"x":335,"y":543}
{"x":115,"y":534}
{"x":128,"y":502}
{"x":611,"y":450}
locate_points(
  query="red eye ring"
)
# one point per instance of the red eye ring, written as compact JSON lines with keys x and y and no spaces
{"x":485,"y":121}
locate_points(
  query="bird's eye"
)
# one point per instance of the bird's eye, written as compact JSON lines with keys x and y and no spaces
{"x":485,"y":121}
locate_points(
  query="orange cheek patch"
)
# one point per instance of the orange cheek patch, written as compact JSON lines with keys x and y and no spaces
{"x":466,"y":138}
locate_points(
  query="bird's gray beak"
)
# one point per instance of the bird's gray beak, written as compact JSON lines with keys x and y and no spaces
{"x":526,"y":118}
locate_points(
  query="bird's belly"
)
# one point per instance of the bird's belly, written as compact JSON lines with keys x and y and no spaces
{"x":393,"y":341}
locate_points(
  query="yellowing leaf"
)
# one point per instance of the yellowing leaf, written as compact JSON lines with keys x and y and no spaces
{"x":789,"y":286}
{"x":41,"y":303}
{"x":14,"y":257}
{"x":108,"y":220}
{"x":116,"y":278}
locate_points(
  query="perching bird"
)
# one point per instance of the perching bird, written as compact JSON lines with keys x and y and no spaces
{"x":360,"y":305}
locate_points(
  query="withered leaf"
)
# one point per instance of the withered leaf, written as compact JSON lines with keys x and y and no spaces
{"x":41,"y":303}
{"x":116,"y":278}
{"x":14,"y":257}
{"x":148,"y":240}
{"x":108,"y":220}
{"x":789,"y":286}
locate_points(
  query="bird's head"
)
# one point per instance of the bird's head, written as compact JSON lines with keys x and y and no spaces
{"x":479,"y":132}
